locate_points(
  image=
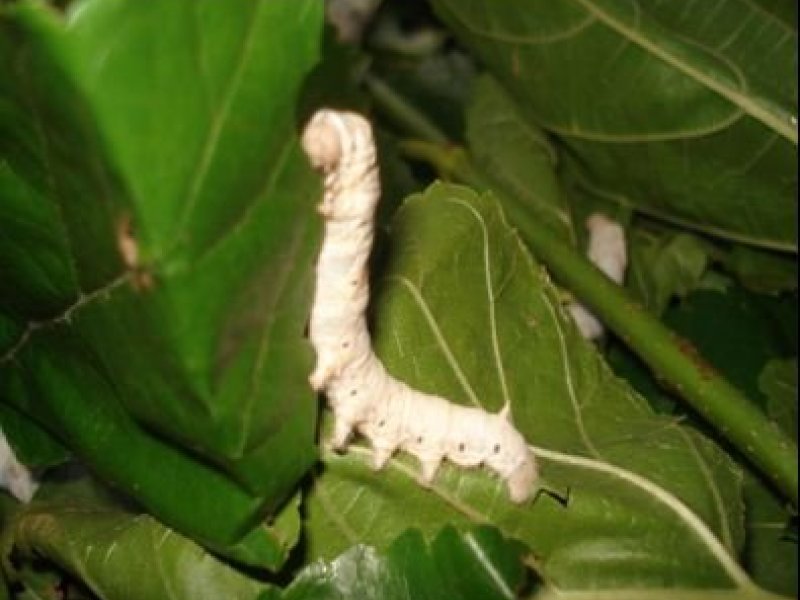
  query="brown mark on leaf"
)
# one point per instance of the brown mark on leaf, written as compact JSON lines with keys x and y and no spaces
{"x":128,"y":247}
{"x":707,"y":371}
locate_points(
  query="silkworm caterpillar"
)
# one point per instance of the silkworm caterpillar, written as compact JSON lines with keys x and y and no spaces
{"x":14,"y":476}
{"x":364,"y":397}
{"x":607,"y":251}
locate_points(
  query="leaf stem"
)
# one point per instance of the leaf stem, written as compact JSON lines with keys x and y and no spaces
{"x":404,"y":115}
{"x":674,"y":360}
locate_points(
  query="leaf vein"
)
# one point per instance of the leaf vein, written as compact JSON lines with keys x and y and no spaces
{"x":573,"y":398}
{"x":527,"y":40}
{"x":701,"y":530}
{"x":772,"y":116}
{"x":490,"y":299}
{"x":487,"y":565}
{"x":719,"y":504}
{"x":220,"y":116}
{"x":437,"y":333}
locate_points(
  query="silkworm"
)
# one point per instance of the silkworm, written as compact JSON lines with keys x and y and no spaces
{"x":607,"y":251}
{"x":364,"y":397}
{"x":14,"y":476}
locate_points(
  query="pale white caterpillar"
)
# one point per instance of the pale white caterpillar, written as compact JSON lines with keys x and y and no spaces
{"x":363,"y":396}
{"x":607,"y":250}
{"x":14,"y":476}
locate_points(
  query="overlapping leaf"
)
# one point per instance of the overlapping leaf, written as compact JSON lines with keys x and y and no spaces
{"x":116,"y":553}
{"x":646,"y":502}
{"x":160,"y":201}
{"x":663,"y":266}
{"x":679,"y":110}
{"x":778,"y":381}
{"x":740,"y":333}
{"x":517,"y":156}
{"x":477,"y":564}
{"x":771,"y":551}
{"x":120,"y":554}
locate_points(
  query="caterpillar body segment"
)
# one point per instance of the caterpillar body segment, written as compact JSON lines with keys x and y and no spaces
{"x":363,"y":396}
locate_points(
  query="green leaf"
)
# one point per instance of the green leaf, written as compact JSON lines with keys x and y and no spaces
{"x":778,"y":381}
{"x":736,"y":331}
{"x":334,"y":80}
{"x":516,"y":156}
{"x":32,"y":445}
{"x":678,"y":110}
{"x":160,"y":201}
{"x":478,"y":564}
{"x":411,"y":59}
{"x":627,"y":365}
{"x":34,"y":254}
{"x":770,"y":553}
{"x":119,"y":554}
{"x":761,"y":271}
{"x":34,"y":258}
{"x":651,"y":504}
{"x":664,"y":266}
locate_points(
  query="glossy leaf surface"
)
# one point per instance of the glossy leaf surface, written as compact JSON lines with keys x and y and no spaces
{"x":118,"y":554}
{"x":679,"y":110}
{"x":158,"y":197}
{"x":477,"y":564}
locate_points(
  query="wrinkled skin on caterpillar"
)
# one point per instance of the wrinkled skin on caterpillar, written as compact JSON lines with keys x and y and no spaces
{"x":363,"y":396}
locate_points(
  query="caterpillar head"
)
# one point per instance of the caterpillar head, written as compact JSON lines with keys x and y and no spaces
{"x":321,"y":139}
{"x":340,"y":144}
{"x":510,"y":457}
{"x":520,"y":480}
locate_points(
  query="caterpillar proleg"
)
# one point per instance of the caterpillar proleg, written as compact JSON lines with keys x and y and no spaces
{"x":364,"y":397}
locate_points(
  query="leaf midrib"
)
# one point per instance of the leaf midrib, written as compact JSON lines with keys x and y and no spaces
{"x":770,"y":116}
{"x":220,"y":116}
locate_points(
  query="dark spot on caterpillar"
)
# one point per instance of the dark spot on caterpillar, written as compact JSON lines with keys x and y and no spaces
{"x":462,"y":446}
{"x":381,"y":423}
{"x":419,"y":440}
{"x":345,"y":344}
{"x":354,"y":282}
{"x":353,"y":392}
{"x":496,"y":448}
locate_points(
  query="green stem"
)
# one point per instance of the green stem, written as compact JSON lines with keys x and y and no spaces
{"x":672,"y":359}
{"x":403,"y":114}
